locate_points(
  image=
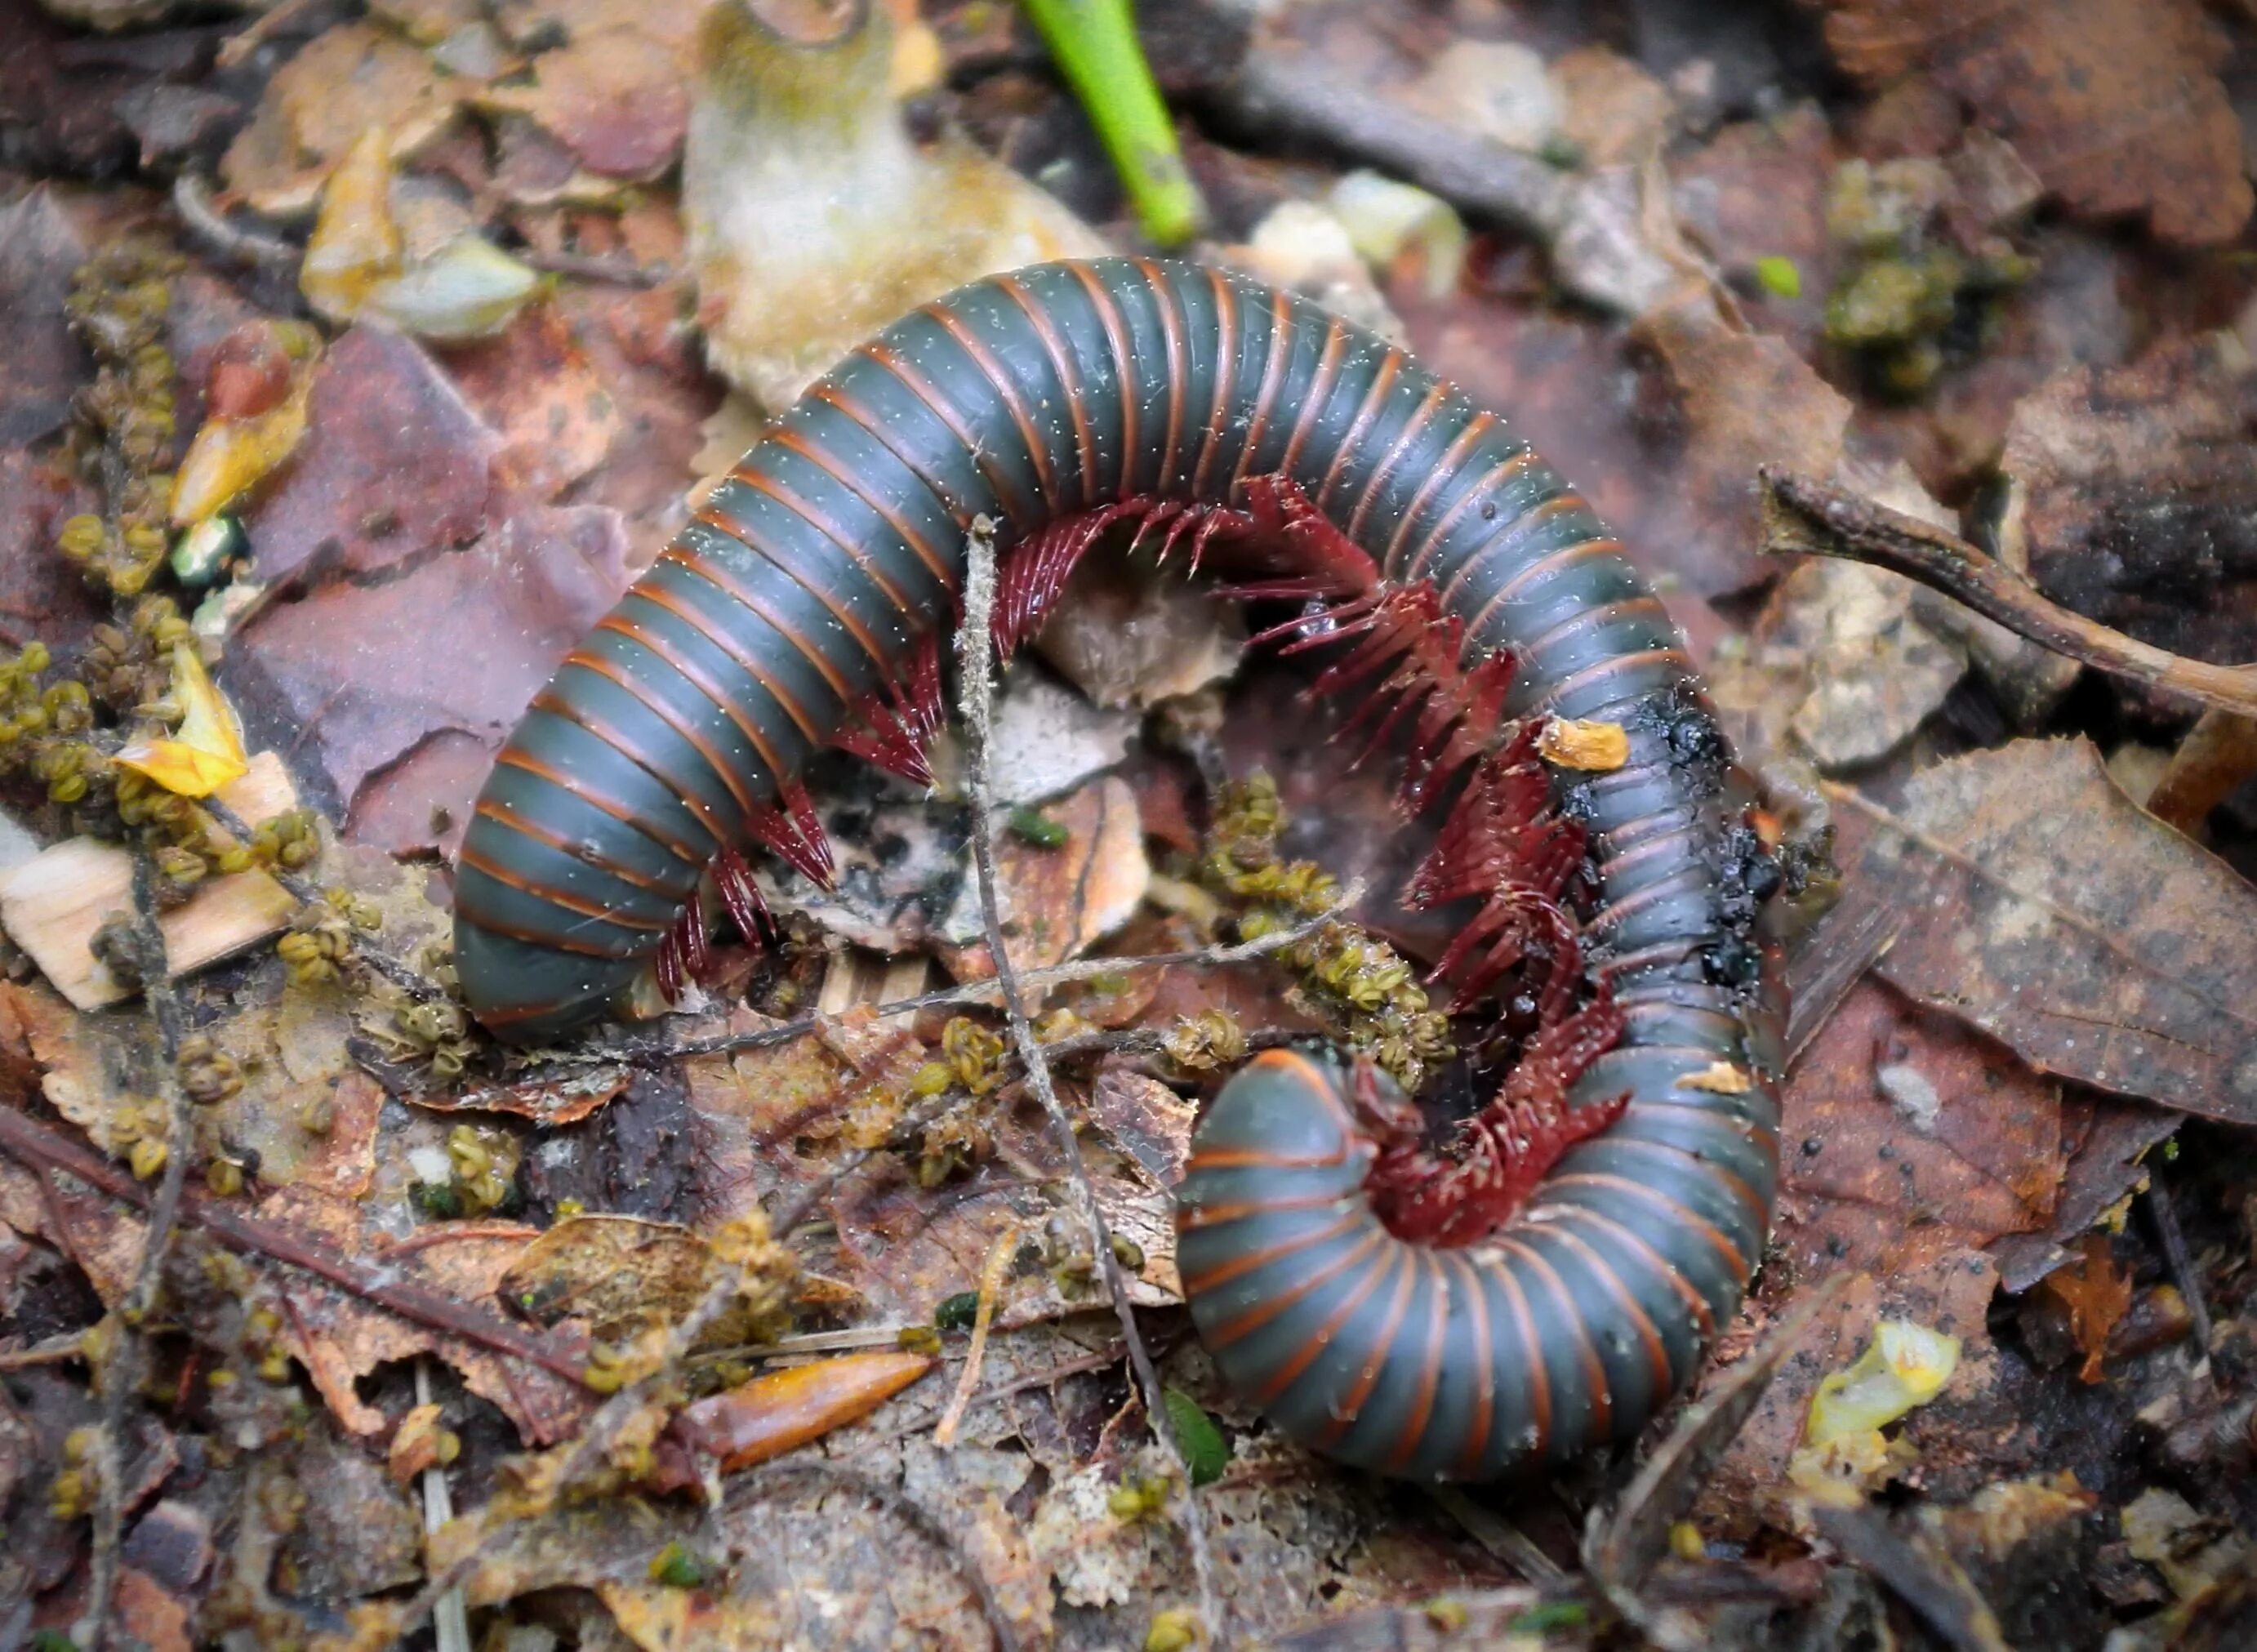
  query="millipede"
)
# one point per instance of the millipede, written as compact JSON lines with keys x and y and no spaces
{"x":1538,"y":1282}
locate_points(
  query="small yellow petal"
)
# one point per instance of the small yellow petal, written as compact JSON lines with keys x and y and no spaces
{"x":207,"y":751}
{"x":1572,"y":743}
{"x":355,"y":247}
{"x":1718,"y":1078}
{"x":230,"y":457}
{"x":1905,"y":1366}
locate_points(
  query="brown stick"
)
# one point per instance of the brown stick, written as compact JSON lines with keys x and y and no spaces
{"x":37,"y":1147}
{"x":1803,"y":516}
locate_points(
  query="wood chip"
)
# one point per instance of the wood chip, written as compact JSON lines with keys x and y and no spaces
{"x":52,"y":905}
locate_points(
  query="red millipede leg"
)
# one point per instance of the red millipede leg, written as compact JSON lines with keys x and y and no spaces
{"x":893,"y":726}
{"x":1502,"y":1152}
{"x":741,"y":900}
{"x":793,"y":833}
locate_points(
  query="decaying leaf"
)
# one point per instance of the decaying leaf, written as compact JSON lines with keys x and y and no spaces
{"x":2096,"y":1294}
{"x":1905,"y":1134}
{"x":1743,"y":399}
{"x":1057,"y":898}
{"x":2116,"y":104}
{"x":2090,"y":938}
{"x":324,"y":100}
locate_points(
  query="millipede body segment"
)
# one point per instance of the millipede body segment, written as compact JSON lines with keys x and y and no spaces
{"x":801,"y":608}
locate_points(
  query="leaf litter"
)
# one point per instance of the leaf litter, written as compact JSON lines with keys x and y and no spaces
{"x":2025,"y":1088}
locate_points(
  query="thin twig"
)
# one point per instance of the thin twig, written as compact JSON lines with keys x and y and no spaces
{"x":451,"y":1618}
{"x":223,"y":237}
{"x":591,"y":267}
{"x":992,"y":1273}
{"x":2184,"y":1273}
{"x":1290,"y":92}
{"x":970,"y":992}
{"x":119,"y":1377}
{"x":53,"y":1351}
{"x":976,"y":695}
{"x":39,"y":1147}
{"x":1804,"y":516}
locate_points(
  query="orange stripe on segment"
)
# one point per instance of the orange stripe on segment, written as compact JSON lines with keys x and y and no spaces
{"x":712,"y":517}
{"x":1320,"y":392}
{"x":1226,"y":373}
{"x":1621,"y":662}
{"x":1253,"y":1159}
{"x":1374,"y":399}
{"x":1273,"y":377}
{"x":1476,"y":1443}
{"x":1238,"y":1267}
{"x":1598,"y":614}
{"x":1445,"y":469}
{"x":1696,"y":1304}
{"x":527,"y":827}
{"x":548,"y":701}
{"x":1377,"y":1356}
{"x":1216,"y":1215}
{"x":917,"y":385}
{"x":939,"y":566}
{"x":1619,"y":907}
{"x":1305,"y":1069}
{"x":679,"y":848}
{"x":1649,"y":1335}
{"x":1429,"y":1371}
{"x":1172,"y":329}
{"x":1595,"y":1372}
{"x":1481,"y":490}
{"x":720,"y":637}
{"x":1412,"y":430}
{"x":831,"y":396}
{"x":559,"y":898}
{"x":577,"y":949}
{"x":815,"y":517}
{"x":657,"y":705}
{"x":1539,"y":1376}
{"x":1289,"y":1372}
{"x":1069,"y":378}
{"x":722,"y":701}
{"x":1038,"y":455}
{"x":1512,"y":534}
{"x":1263,"y":1312}
{"x":1116,"y":337}
{"x":1712,"y":1236}
{"x":722,"y":580}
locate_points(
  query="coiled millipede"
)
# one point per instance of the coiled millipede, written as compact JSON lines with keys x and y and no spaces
{"x":1548,"y":1283}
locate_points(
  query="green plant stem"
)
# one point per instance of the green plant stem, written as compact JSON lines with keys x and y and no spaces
{"x":1094,"y":42}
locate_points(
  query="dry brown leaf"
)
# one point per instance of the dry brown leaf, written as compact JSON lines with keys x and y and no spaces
{"x":2095,"y":1293}
{"x":1905,"y":1135}
{"x":2070,"y":925}
{"x":341,"y":1338}
{"x":1743,"y":399}
{"x":357,"y":76}
{"x":2116,"y":104}
{"x":1057,"y":899}
{"x":616,"y":97}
